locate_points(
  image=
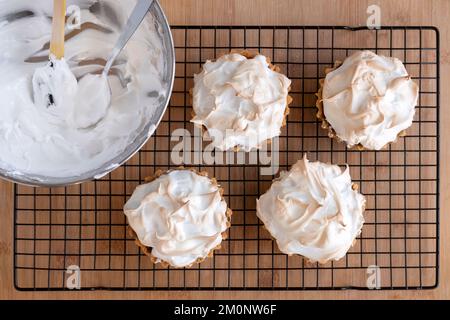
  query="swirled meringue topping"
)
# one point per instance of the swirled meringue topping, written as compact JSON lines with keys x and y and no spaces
{"x":313,"y":210}
{"x":369,"y":100}
{"x":181,"y":215}
{"x":240,"y":101}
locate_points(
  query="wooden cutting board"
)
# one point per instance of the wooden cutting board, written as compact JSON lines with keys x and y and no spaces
{"x":277,"y":12}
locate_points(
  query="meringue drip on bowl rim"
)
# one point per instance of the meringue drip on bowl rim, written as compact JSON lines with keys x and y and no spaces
{"x":313,"y":210}
{"x":367,"y":101}
{"x":241,"y":99}
{"x":179,"y":217}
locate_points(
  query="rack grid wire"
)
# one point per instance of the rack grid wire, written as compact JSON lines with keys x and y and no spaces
{"x":84,"y":225}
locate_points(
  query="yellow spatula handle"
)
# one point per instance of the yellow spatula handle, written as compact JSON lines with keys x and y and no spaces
{"x":58,"y":24}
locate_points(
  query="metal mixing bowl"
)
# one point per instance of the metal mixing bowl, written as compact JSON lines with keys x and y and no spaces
{"x":43,"y":181}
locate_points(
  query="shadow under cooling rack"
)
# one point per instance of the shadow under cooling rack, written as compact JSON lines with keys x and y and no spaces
{"x":84,"y":225}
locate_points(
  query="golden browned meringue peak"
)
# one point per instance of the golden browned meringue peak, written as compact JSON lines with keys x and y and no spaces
{"x":241,"y":101}
{"x":180,"y":215}
{"x":369,"y":100}
{"x":313,"y":210}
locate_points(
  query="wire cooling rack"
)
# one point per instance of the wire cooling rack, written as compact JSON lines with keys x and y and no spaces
{"x":84,"y":225}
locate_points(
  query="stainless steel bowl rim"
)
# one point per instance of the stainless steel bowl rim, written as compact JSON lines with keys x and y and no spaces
{"x":133,"y":148}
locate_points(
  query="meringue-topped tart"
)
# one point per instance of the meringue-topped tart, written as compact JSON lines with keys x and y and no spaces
{"x":368,"y":101}
{"x":241,"y":99}
{"x":178,"y":217}
{"x":313,"y":210}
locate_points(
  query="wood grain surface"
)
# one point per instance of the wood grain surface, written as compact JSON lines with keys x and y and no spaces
{"x":277,"y":12}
